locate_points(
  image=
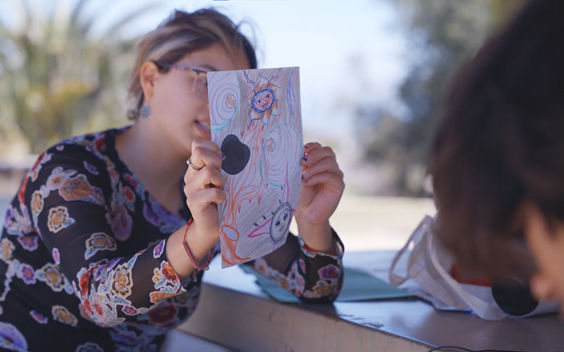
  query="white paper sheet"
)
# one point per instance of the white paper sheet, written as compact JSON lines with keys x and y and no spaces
{"x":256,"y":121}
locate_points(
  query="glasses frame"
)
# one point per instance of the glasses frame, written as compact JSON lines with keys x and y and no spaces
{"x":199,"y":73}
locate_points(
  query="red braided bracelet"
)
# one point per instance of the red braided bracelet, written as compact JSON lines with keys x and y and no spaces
{"x":189,"y":252}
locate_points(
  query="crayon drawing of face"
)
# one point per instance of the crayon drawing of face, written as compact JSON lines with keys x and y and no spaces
{"x":263,"y":102}
{"x":280,"y":223}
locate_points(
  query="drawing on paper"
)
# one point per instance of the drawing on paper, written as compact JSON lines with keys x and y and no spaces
{"x":236,"y":155}
{"x":256,"y":121}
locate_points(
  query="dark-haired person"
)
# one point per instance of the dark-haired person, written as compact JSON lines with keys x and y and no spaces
{"x":104,"y":245}
{"x":498,"y":154}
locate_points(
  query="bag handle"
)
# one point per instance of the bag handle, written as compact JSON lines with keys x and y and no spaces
{"x":484,"y":309}
{"x":394,"y":277}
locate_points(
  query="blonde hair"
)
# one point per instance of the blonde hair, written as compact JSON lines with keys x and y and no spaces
{"x":182,"y":33}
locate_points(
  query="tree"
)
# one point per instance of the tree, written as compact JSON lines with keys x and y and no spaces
{"x":442,"y":34}
{"x":57,"y":75}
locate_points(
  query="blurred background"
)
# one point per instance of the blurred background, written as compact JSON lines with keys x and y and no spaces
{"x":373,"y":74}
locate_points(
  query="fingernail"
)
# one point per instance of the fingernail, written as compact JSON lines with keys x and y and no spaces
{"x":305,"y":158}
{"x":306,"y":146}
{"x":222,"y":156}
{"x":302,"y":176}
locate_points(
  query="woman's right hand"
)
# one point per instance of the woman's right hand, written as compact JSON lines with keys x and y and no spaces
{"x":204,"y":189}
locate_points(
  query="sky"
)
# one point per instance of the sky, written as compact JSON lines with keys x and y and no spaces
{"x":349,"y":52}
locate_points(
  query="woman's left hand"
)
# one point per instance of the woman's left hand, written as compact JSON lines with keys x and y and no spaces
{"x":322,"y":187}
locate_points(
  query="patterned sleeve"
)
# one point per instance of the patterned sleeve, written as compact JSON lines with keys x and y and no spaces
{"x":68,"y":193}
{"x":312,"y":276}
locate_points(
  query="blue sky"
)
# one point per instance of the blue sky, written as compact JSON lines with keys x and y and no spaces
{"x":347,"y":51}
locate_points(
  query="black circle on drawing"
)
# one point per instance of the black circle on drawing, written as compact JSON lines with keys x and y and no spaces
{"x":236,"y":155}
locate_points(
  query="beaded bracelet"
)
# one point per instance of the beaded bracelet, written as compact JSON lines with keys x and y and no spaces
{"x":189,"y":252}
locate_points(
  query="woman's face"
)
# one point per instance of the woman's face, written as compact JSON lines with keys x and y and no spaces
{"x":179,"y":106}
{"x":547,"y":247}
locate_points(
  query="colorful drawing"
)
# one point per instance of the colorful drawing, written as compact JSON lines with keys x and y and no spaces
{"x":256,"y":121}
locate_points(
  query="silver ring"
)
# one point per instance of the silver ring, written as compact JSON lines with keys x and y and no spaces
{"x":190,"y":164}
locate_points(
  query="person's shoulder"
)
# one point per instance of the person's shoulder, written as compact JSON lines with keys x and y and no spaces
{"x":91,"y":143}
{"x":88,"y":151}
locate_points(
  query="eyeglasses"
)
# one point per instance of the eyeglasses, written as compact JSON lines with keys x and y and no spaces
{"x":200,"y":82}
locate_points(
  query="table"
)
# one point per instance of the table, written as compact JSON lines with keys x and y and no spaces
{"x":234,"y":312}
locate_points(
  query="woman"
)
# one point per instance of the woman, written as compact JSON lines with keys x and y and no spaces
{"x":497,"y":164}
{"x":104,"y":245}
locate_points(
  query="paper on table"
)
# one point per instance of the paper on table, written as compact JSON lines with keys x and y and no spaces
{"x":358,"y":286}
{"x":256,"y":121}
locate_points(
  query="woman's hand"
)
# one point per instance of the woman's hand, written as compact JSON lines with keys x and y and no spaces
{"x":204,"y":189}
{"x":322,"y":188}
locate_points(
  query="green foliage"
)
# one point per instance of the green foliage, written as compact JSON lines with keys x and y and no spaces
{"x":58,"y":77}
{"x":442,"y":35}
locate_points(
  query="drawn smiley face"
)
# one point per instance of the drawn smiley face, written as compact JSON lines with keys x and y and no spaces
{"x":281,"y":220}
{"x":263,"y":100}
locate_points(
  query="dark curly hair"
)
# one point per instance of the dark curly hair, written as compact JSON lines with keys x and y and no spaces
{"x":500,"y":142}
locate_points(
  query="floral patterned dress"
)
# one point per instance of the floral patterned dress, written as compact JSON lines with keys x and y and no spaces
{"x":83,"y":265}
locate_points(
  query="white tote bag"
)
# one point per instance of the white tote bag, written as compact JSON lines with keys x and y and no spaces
{"x":427,"y":276}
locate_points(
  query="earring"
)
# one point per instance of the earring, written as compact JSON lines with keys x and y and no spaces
{"x":145,"y":111}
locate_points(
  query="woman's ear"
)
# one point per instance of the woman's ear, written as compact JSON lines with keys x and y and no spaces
{"x":546,"y":244}
{"x":148,"y":75}
{"x":543,"y":288}
{"x":537,"y":232}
